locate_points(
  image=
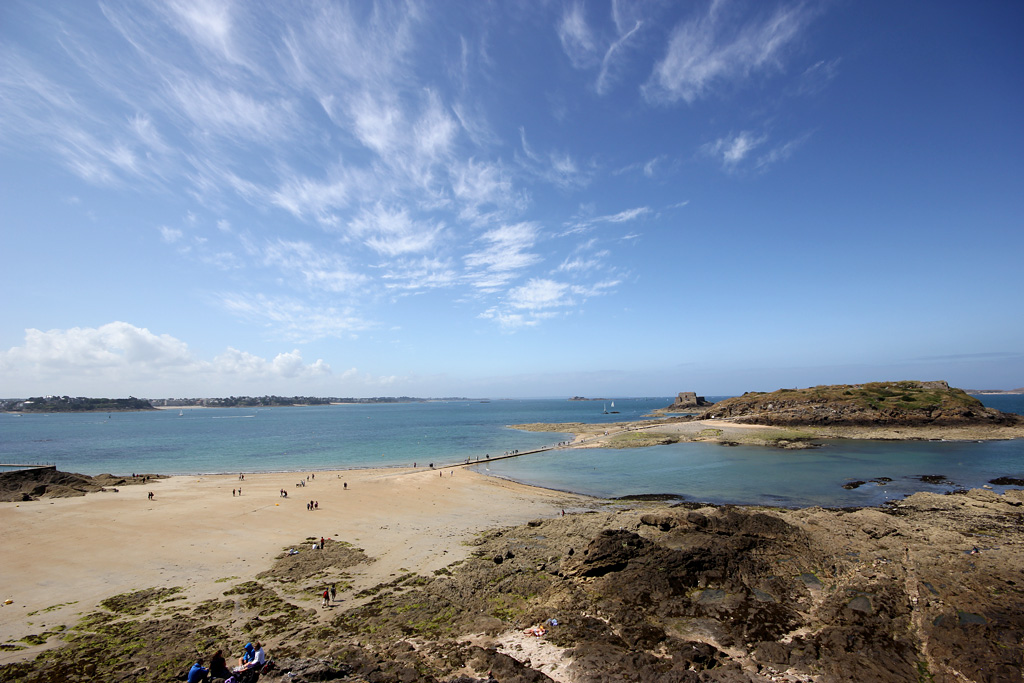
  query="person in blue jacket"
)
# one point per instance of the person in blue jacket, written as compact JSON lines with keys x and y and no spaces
{"x":247,"y":656}
{"x":197,"y":674}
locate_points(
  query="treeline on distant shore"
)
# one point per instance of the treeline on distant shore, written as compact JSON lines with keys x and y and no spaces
{"x":76,"y":404}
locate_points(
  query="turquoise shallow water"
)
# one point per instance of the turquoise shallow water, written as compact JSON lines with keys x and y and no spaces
{"x":349,"y":436}
{"x":276,"y":439}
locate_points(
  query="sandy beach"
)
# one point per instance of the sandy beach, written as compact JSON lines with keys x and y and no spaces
{"x":63,"y":556}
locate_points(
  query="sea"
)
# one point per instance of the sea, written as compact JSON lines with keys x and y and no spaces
{"x":439,"y":433}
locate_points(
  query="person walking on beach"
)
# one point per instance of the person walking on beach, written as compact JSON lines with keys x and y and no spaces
{"x":232,"y":493}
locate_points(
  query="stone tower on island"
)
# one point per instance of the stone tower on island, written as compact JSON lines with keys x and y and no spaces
{"x":688,"y":399}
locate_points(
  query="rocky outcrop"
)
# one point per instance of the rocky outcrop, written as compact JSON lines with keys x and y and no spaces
{"x":48,"y":482}
{"x":907,"y":403}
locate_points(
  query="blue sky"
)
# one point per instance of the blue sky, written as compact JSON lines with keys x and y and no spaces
{"x":206,"y":197}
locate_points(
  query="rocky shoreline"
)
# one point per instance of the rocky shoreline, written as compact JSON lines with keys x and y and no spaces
{"x":48,"y":482}
{"x":928,"y":588}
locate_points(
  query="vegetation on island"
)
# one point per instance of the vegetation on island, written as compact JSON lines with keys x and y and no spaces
{"x":77,"y":404}
{"x":907,"y":402}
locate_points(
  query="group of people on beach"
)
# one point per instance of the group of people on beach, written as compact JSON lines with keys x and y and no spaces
{"x":253,"y":659}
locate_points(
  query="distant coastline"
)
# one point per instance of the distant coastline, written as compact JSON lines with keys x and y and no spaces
{"x":82,"y":404}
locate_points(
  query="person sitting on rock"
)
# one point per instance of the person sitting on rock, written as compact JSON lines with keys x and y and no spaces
{"x":259,"y":658}
{"x":247,"y":655}
{"x":219,"y":667}
{"x":198,"y":673}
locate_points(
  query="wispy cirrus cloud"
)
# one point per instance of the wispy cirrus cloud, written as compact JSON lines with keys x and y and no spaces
{"x":738,"y":150}
{"x":503,"y":252}
{"x":409,"y":275}
{"x":209,"y":24}
{"x":298,"y":320}
{"x":585,"y":221}
{"x":556,"y":167}
{"x":733,"y":149}
{"x":711,"y":50}
{"x":369,"y":169}
{"x":320,"y":270}
{"x":577,"y":38}
{"x":230,"y":113}
{"x":586,"y":49}
{"x":393,"y":232}
{"x":540,"y":299}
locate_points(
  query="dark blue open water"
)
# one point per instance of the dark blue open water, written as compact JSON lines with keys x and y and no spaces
{"x":348,"y":436}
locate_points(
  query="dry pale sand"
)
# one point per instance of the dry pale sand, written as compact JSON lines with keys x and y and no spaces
{"x":61,"y":557}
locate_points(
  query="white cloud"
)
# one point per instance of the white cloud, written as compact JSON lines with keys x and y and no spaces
{"x":557,"y":168}
{"x":393,"y":232}
{"x":580,"y":263}
{"x":817,"y":76}
{"x":287,"y":365}
{"x":583,"y":222}
{"x":576,"y":37}
{"x":704,"y":53}
{"x":608,"y":63}
{"x":304,"y":197}
{"x":734,"y":149}
{"x":505,"y":251}
{"x":424,"y":273}
{"x":781,"y":152}
{"x":114,"y":345}
{"x":118,"y":358}
{"x":231,"y":113}
{"x":207,"y":23}
{"x":318,"y":268}
{"x":485,"y":191}
{"x":539,"y":293}
{"x":170,"y":235}
{"x":295,"y":320}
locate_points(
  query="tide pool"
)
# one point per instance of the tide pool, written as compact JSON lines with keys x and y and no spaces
{"x":757,"y":475}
